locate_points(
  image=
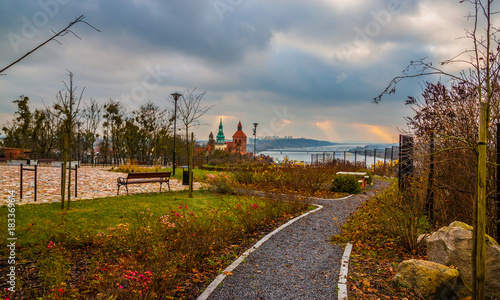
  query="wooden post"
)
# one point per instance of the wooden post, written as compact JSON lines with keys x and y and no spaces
{"x":479,"y":237}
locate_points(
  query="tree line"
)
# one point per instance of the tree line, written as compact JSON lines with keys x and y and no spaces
{"x":105,"y":130}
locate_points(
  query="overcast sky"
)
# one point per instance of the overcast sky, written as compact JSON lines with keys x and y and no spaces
{"x":302,"y":68}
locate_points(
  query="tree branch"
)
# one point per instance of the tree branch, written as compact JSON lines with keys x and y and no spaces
{"x":60,"y":33}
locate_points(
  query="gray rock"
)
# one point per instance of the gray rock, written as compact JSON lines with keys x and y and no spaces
{"x":452,"y":246}
{"x":427,"y":279}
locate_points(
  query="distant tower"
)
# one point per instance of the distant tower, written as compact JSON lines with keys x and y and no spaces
{"x":240,"y":140}
{"x":220,"y":136}
{"x":211,"y":142}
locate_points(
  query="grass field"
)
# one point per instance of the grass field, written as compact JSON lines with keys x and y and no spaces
{"x":137,"y":246}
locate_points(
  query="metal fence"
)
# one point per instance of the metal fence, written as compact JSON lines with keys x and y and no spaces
{"x":369,"y":157}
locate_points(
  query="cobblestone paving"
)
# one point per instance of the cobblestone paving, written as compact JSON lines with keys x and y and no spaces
{"x":93,"y":182}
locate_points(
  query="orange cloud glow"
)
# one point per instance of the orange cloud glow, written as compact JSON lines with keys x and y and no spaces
{"x":377,"y":133}
{"x":328,"y":129}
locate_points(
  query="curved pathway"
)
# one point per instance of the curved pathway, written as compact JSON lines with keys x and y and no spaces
{"x":298,"y":262}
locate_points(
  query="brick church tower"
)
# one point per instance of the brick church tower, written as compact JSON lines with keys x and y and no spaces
{"x":240,"y":140}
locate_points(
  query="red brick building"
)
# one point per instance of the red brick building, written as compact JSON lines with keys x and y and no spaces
{"x":238,"y":145}
{"x":240,"y":140}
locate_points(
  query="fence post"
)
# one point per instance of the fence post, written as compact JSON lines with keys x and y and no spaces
{"x":36,"y":181}
{"x":355,"y":157}
{"x":374,"y":159}
{"x":430,"y":180}
{"x":366,"y":163}
{"x":21,"y":189}
{"x":405,"y":161}
{"x":76,"y":181}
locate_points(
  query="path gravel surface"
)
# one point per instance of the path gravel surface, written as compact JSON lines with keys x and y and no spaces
{"x":298,"y":262}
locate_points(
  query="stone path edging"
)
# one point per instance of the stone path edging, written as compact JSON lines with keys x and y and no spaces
{"x":344,"y":269}
{"x":240,"y":259}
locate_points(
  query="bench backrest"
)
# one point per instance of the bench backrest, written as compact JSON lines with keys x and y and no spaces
{"x":352,"y":173}
{"x":133,"y":175}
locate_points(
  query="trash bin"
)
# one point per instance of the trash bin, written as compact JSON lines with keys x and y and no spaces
{"x":185,"y":175}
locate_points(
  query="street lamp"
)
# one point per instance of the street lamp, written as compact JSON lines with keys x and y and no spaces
{"x":254,"y":139}
{"x":176,"y":97}
{"x":78,"y":152}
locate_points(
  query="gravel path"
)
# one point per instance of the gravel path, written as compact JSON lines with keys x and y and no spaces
{"x":298,"y":262}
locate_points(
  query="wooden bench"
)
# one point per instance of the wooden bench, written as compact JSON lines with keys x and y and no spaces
{"x":361,"y":176}
{"x":144,"y":177}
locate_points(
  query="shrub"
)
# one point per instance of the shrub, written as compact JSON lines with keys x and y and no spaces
{"x":221,"y":183}
{"x":346,"y":184}
{"x":389,"y":217}
{"x":134,"y":168}
{"x":387,"y":169}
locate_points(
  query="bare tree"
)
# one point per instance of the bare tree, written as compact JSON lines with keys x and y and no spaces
{"x":191,"y":110}
{"x":67,"y":108}
{"x":92,"y":117}
{"x":482,"y":73}
{"x":63,"y":32}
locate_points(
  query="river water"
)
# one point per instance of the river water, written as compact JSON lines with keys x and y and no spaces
{"x":305,"y":154}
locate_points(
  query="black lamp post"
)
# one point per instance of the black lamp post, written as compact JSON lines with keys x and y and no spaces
{"x":254,"y":139}
{"x":78,"y":144}
{"x":176,"y":97}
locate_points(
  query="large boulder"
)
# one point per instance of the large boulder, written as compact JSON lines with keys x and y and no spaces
{"x":452,"y":246}
{"x":429,"y":280}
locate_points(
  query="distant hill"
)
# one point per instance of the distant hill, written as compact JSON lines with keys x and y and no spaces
{"x":263,"y":145}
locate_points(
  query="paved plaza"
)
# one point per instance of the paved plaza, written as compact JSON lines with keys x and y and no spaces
{"x":93,"y":182}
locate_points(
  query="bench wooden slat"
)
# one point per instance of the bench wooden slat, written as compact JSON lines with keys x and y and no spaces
{"x":133,"y":175}
{"x":147,"y":181}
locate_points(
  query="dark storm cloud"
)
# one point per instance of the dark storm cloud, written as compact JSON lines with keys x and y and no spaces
{"x":309,"y":55}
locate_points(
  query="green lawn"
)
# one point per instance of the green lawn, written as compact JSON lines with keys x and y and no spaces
{"x":39,"y":223}
{"x":91,"y":249}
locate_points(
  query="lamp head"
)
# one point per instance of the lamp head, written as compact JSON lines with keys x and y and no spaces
{"x":176,"y":96}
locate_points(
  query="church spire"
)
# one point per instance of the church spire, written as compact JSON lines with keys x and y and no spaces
{"x":220,"y":136}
